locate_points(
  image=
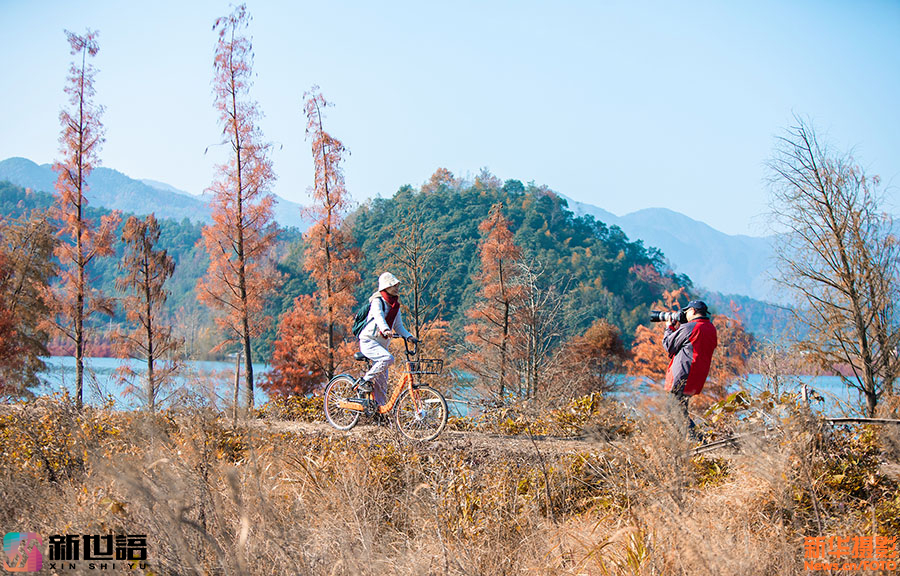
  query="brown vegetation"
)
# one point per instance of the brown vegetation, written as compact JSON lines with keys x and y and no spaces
{"x":26,"y":267}
{"x":272,"y":498}
{"x":838,"y":255}
{"x":487,"y":349}
{"x":314,"y":341}
{"x":145,"y":270}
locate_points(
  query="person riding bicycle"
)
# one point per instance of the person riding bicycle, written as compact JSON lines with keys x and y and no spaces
{"x":383,"y":322}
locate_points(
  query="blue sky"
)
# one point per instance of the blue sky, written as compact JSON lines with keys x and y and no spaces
{"x":624,"y":105}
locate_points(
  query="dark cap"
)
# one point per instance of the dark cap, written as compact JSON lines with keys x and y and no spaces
{"x":699,"y":306}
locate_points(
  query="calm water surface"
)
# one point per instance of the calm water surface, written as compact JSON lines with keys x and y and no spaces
{"x":213,"y":383}
{"x":210,"y":383}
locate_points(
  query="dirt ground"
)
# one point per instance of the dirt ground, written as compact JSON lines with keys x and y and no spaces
{"x":448,"y":440}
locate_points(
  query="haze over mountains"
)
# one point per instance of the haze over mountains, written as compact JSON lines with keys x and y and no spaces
{"x":116,"y":191}
{"x":715,"y":261}
{"x":730,"y":264}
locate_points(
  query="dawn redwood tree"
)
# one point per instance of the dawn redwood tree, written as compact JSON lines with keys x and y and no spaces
{"x":487,"y":347}
{"x":9,"y":346}
{"x":74,"y":299}
{"x":26,"y":269}
{"x":144,"y":271}
{"x":839,"y":256}
{"x":735,"y":346}
{"x":300,"y":355}
{"x":330,"y":252}
{"x":648,"y":357}
{"x":240,"y":274}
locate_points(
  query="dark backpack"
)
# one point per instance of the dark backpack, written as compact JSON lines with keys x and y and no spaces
{"x":359,"y":321}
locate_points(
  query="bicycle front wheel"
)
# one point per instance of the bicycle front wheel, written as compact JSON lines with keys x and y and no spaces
{"x":337,"y":390}
{"x":421,"y":413}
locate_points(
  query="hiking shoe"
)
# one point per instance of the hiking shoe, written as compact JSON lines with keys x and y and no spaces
{"x":364,"y":386}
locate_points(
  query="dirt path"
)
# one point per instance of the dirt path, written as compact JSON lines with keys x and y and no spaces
{"x":448,"y":440}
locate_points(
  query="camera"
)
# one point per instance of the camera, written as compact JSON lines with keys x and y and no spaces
{"x":670,"y":317}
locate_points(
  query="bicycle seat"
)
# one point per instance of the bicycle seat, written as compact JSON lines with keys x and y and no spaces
{"x":360,"y":357}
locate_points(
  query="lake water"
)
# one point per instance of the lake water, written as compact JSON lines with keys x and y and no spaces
{"x":212,"y":383}
{"x":836,"y":398}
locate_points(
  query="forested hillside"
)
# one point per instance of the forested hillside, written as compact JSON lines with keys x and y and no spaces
{"x":601,"y":272}
{"x":594,"y":268}
{"x":191,"y":320}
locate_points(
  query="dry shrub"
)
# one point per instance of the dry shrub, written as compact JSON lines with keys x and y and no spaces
{"x":592,"y":415}
{"x":217,"y":499}
{"x":293,"y":407}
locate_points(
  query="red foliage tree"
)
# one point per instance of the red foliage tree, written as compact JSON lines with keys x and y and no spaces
{"x":10,"y":349}
{"x":240,"y":273}
{"x":594,"y":356}
{"x":26,"y":268}
{"x":74,"y":299}
{"x":442,"y":178}
{"x":735,"y":347}
{"x":330,"y":254}
{"x":299,"y":362}
{"x":144,"y":273}
{"x":488,"y":344}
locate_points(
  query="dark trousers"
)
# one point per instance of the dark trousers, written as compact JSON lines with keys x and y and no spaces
{"x":678,"y":393}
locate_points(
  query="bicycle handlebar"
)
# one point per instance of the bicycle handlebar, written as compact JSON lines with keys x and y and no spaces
{"x":415,"y":348}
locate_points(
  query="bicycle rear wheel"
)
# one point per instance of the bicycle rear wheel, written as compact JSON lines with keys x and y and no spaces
{"x":340,"y":388}
{"x":421,"y":413}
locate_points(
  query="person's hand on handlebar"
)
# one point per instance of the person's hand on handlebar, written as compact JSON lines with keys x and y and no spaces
{"x":412,"y":340}
{"x":389,"y":334}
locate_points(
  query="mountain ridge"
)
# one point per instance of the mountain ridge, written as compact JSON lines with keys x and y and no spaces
{"x":725,"y":263}
{"x":114,"y":190}
{"x":715,"y":261}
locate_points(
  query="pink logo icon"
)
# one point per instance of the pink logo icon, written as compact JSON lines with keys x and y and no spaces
{"x":22,"y":552}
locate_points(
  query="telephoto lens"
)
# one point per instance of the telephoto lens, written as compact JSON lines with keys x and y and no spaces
{"x":670,"y":317}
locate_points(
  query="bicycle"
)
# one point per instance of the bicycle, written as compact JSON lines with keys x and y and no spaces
{"x":419,"y":411}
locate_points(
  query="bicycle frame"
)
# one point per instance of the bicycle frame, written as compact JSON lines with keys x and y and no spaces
{"x":406,"y":382}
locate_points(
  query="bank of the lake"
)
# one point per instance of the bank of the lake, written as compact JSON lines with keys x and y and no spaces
{"x":213,"y":383}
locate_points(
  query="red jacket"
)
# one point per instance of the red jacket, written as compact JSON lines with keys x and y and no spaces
{"x":690,"y":349}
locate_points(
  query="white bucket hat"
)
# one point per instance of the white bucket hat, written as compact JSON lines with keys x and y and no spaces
{"x":387,"y":280}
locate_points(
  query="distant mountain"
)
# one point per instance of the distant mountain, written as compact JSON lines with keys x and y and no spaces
{"x":111,"y":189}
{"x":163,"y":186}
{"x":729,"y":264}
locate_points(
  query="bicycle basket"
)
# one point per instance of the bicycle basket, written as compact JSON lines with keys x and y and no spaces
{"x":423,"y":366}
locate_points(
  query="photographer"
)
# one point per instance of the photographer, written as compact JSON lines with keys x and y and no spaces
{"x":690,"y":346}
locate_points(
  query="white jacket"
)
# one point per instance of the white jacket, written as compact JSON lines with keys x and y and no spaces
{"x":376,"y":324}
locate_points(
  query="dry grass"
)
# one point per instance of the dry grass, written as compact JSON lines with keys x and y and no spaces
{"x":218,"y":500}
